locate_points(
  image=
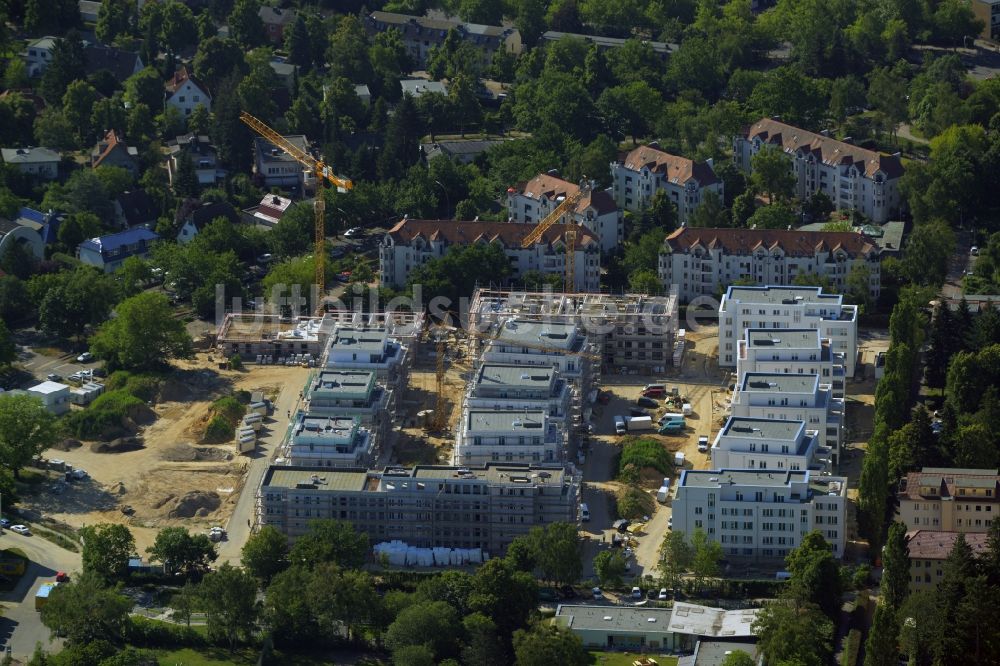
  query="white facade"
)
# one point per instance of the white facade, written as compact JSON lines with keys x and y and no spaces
{"x":514,"y":388}
{"x":276,"y":168}
{"x":504,"y":436}
{"x":368,"y":349}
{"x":329,"y":441}
{"x":40,"y":162}
{"x":793,"y":397}
{"x":753,"y":443}
{"x":787,"y":307}
{"x":853,"y":178}
{"x":648,"y":169}
{"x":38,"y":55}
{"x":761,"y":514}
{"x":412,"y":243}
{"x":54,"y":396}
{"x":545,"y":344}
{"x":187,"y":96}
{"x":597,"y":211}
{"x":790,"y":352}
{"x":706,"y":261}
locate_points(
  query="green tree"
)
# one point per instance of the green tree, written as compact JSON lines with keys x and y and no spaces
{"x":887,"y":94}
{"x":133,"y":276}
{"x":402,"y":139}
{"x":179,"y":550}
{"x":775,"y":216}
{"x":229,"y":597}
{"x":8,"y":350}
{"x":645,"y":282}
{"x":186,"y":179}
{"x":815,"y":574}
{"x":113,"y":18}
{"x":78,"y":103}
{"x":177,"y":27}
{"x":644,"y":253}
{"x":676,"y":557}
{"x":287,"y":609}
{"x":54,"y":130}
{"x":106,"y":550}
{"x":217,"y":59}
{"x":14,"y":301}
{"x":298,"y":44}
{"x":433,"y":624}
{"x":84,"y":611}
{"x":609,"y":565}
{"x":67,"y":65}
{"x":557,"y":552}
{"x":265,"y":553}
{"x":143,"y":335}
{"x":245,"y":24}
{"x":789,"y":633}
{"x":707,"y":553}
{"x":771,"y":174}
{"x":76,"y":300}
{"x":145,"y":87}
{"x":896,"y":567}
{"x":881,"y":648}
{"x":738,"y":658}
{"x":455,"y":275}
{"x":710,"y":213}
{"x":530,"y":20}
{"x":330,"y":541}
{"x":26,"y":429}
{"x":483,"y":644}
{"x":546,"y":644}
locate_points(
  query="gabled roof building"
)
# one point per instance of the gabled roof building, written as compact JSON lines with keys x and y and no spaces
{"x":642,"y":172}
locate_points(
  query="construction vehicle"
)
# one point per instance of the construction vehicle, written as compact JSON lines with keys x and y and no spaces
{"x":570,"y":236}
{"x":323,"y":174}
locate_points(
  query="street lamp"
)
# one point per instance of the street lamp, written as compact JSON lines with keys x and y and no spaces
{"x":447,"y":197}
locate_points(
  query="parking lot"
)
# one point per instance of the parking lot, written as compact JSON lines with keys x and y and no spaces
{"x":41,"y":362}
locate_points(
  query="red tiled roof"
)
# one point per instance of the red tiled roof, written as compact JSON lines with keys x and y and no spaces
{"x":826,"y":149}
{"x":675,"y":169}
{"x":927,"y":545}
{"x":178,"y":79}
{"x":792,"y":242}
{"x":111,"y":139}
{"x":511,"y":234}
{"x":552,"y":187}
{"x":947,"y":482}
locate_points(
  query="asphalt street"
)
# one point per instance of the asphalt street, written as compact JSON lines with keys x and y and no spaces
{"x":21,"y":626}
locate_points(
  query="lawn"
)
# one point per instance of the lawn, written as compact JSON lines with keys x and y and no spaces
{"x":215,"y":656}
{"x":626,"y":659}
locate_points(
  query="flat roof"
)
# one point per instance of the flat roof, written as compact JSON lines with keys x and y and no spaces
{"x":526,"y":421}
{"x":280,"y":476}
{"x":770,"y":429}
{"x":558,"y":335}
{"x":774,"y":295}
{"x":703,"y":478}
{"x":785,"y":338}
{"x":706,"y":621}
{"x":357,"y":479}
{"x":515,"y":376}
{"x":495,"y":473}
{"x":343,"y":381}
{"x":615,"y":618}
{"x":359,"y":339}
{"x":776,"y":382}
{"x":714,"y":653}
{"x":329,"y":426}
{"x":48,"y":387}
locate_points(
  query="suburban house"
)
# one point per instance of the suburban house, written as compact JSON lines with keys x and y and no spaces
{"x":275,"y":21}
{"x":45,"y":224}
{"x":789,"y":351}
{"x":38,"y":55}
{"x":363,"y":93}
{"x":284,"y":71}
{"x":941,"y":499}
{"x":42,"y":163}
{"x":787,"y":307}
{"x":427,"y":506}
{"x":193,"y":215}
{"x":120,"y":64}
{"x":654,"y":630}
{"x":421,"y":34}
{"x":929,"y":549}
{"x":89,"y":10}
{"x":109,"y":252}
{"x":524,"y":436}
{"x":853,"y":178}
{"x":704,"y":261}
{"x":276,"y":168}
{"x":184,"y":92}
{"x":531,"y":202}
{"x":135,"y":208}
{"x":661,"y":49}
{"x":269,"y":211}
{"x":417,"y":87}
{"x":54,"y":396}
{"x":761,"y":514}
{"x":203,"y":155}
{"x":25,"y":235}
{"x":113,"y":151}
{"x":412,"y":243}
{"x":645,"y":170}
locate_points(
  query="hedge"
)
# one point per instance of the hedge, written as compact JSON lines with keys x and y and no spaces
{"x":642,"y":452}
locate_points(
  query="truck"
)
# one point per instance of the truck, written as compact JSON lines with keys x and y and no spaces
{"x":42,"y":596}
{"x":686,"y":409}
{"x":638,"y":423}
{"x":662,"y":494}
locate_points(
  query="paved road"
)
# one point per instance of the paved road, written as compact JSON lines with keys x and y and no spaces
{"x":959,"y":262}
{"x":21,"y":626}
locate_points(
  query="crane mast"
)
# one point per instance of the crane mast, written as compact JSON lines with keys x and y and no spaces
{"x":569,"y":237}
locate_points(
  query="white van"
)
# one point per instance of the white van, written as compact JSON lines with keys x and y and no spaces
{"x":584,"y":512}
{"x":620,"y":425}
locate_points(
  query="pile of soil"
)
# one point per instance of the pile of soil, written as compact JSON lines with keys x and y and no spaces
{"x":120,"y":445}
{"x":196,"y":503}
{"x":67,"y":445}
{"x":188,"y":453}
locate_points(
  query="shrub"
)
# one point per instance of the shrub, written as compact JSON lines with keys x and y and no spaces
{"x":852,"y":645}
{"x":144,"y":632}
{"x":230,"y":409}
{"x":643,"y":452}
{"x":143,"y":386}
{"x":106,"y":412}
{"x":219,"y":429}
{"x":633,"y":503}
{"x":235,"y":362}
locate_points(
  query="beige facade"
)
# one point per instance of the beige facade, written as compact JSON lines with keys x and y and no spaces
{"x":928,"y":551}
{"x":949,"y":500}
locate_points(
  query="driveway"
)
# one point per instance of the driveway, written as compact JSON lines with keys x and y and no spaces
{"x":21,"y":625}
{"x":960,"y":262}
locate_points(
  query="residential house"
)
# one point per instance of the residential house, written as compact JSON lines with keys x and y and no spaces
{"x":184,"y":92}
{"x":275,"y":21}
{"x":120,"y":64}
{"x":269,"y":211}
{"x":417,"y":87}
{"x":787,"y":307}
{"x":514,"y":388}
{"x":465,"y":151}
{"x":54,"y":396}
{"x":412,"y":243}
{"x":193,"y":215}
{"x":421,"y":34}
{"x":46,"y":225}
{"x":284,"y":71}
{"x":790,"y":351}
{"x":772,"y":395}
{"x":136,"y":208}
{"x":428,"y":506}
{"x":16,"y":233}
{"x":41,"y":163}
{"x":276,"y":168}
{"x":38,"y":55}
{"x":557,"y":344}
{"x":203,"y":155}
{"x":109,"y":252}
{"x":761,"y":514}
{"x":113,"y":151}
{"x":772,"y":444}
{"x":89,"y":10}
{"x":328,"y":441}
{"x":854,"y":178}
{"x":705,"y":261}
{"x":888,"y":237}
{"x":353,"y":394}
{"x":525,"y":436}
{"x":363,"y":93}
{"x":943,"y":499}
{"x":531,"y":202}
{"x":928,"y":551}
{"x":647,"y":169}
{"x":370,"y":349}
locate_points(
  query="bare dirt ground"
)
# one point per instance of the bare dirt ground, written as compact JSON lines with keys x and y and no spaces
{"x":174,"y":479}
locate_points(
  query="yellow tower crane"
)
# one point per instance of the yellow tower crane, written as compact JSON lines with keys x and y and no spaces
{"x":323,"y":174}
{"x":569,"y":237}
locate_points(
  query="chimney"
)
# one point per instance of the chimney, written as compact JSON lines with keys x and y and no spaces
{"x":276,"y":201}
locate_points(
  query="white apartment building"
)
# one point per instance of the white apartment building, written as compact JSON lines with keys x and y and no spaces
{"x":353,"y":394}
{"x":647,"y":169}
{"x":503,"y":387}
{"x":787,"y":307}
{"x":942,"y":499}
{"x":790,"y":351}
{"x":368,"y":349}
{"x":854,"y":178}
{"x":329,"y":441}
{"x":761,"y":514}
{"x":501,"y":436}
{"x":531,"y":202}
{"x":769,"y":395}
{"x":705,"y":261}
{"x":540,"y":344}
{"x":772,"y":444}
{"x":411,"y":243}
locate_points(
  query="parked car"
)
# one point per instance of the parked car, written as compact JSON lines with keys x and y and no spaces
{"x":85,"y":357}
{"x":354,"y":231}
{"x":62,"y":577}
{"x":637,"y":411}
{"x":597,"y":593}
{"x":703,"y":444}
{"x":53,"y":377}
{"x":604,"y":397}
{"x":100,"y":372}
{"x":643,"y":401}
{"x":21,"y":529}
{"x":636,"y":593}
{"x":567,"y":592}
{"x":670,"y":523}
{"x":621,"y":525}
{"x":662,"y":596}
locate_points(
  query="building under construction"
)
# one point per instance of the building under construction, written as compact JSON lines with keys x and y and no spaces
{"x":633,"y":334}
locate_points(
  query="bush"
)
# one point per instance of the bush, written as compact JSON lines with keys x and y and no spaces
{"x":108,"y":411}
{"x":642,"y":452}
{"x":852,"y":645}
{"x":633,"y":503}
{"x":235,"y":362}
{"x":144,"y":632}
{"x":219,"y":429}
{"x":229,"y":409}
